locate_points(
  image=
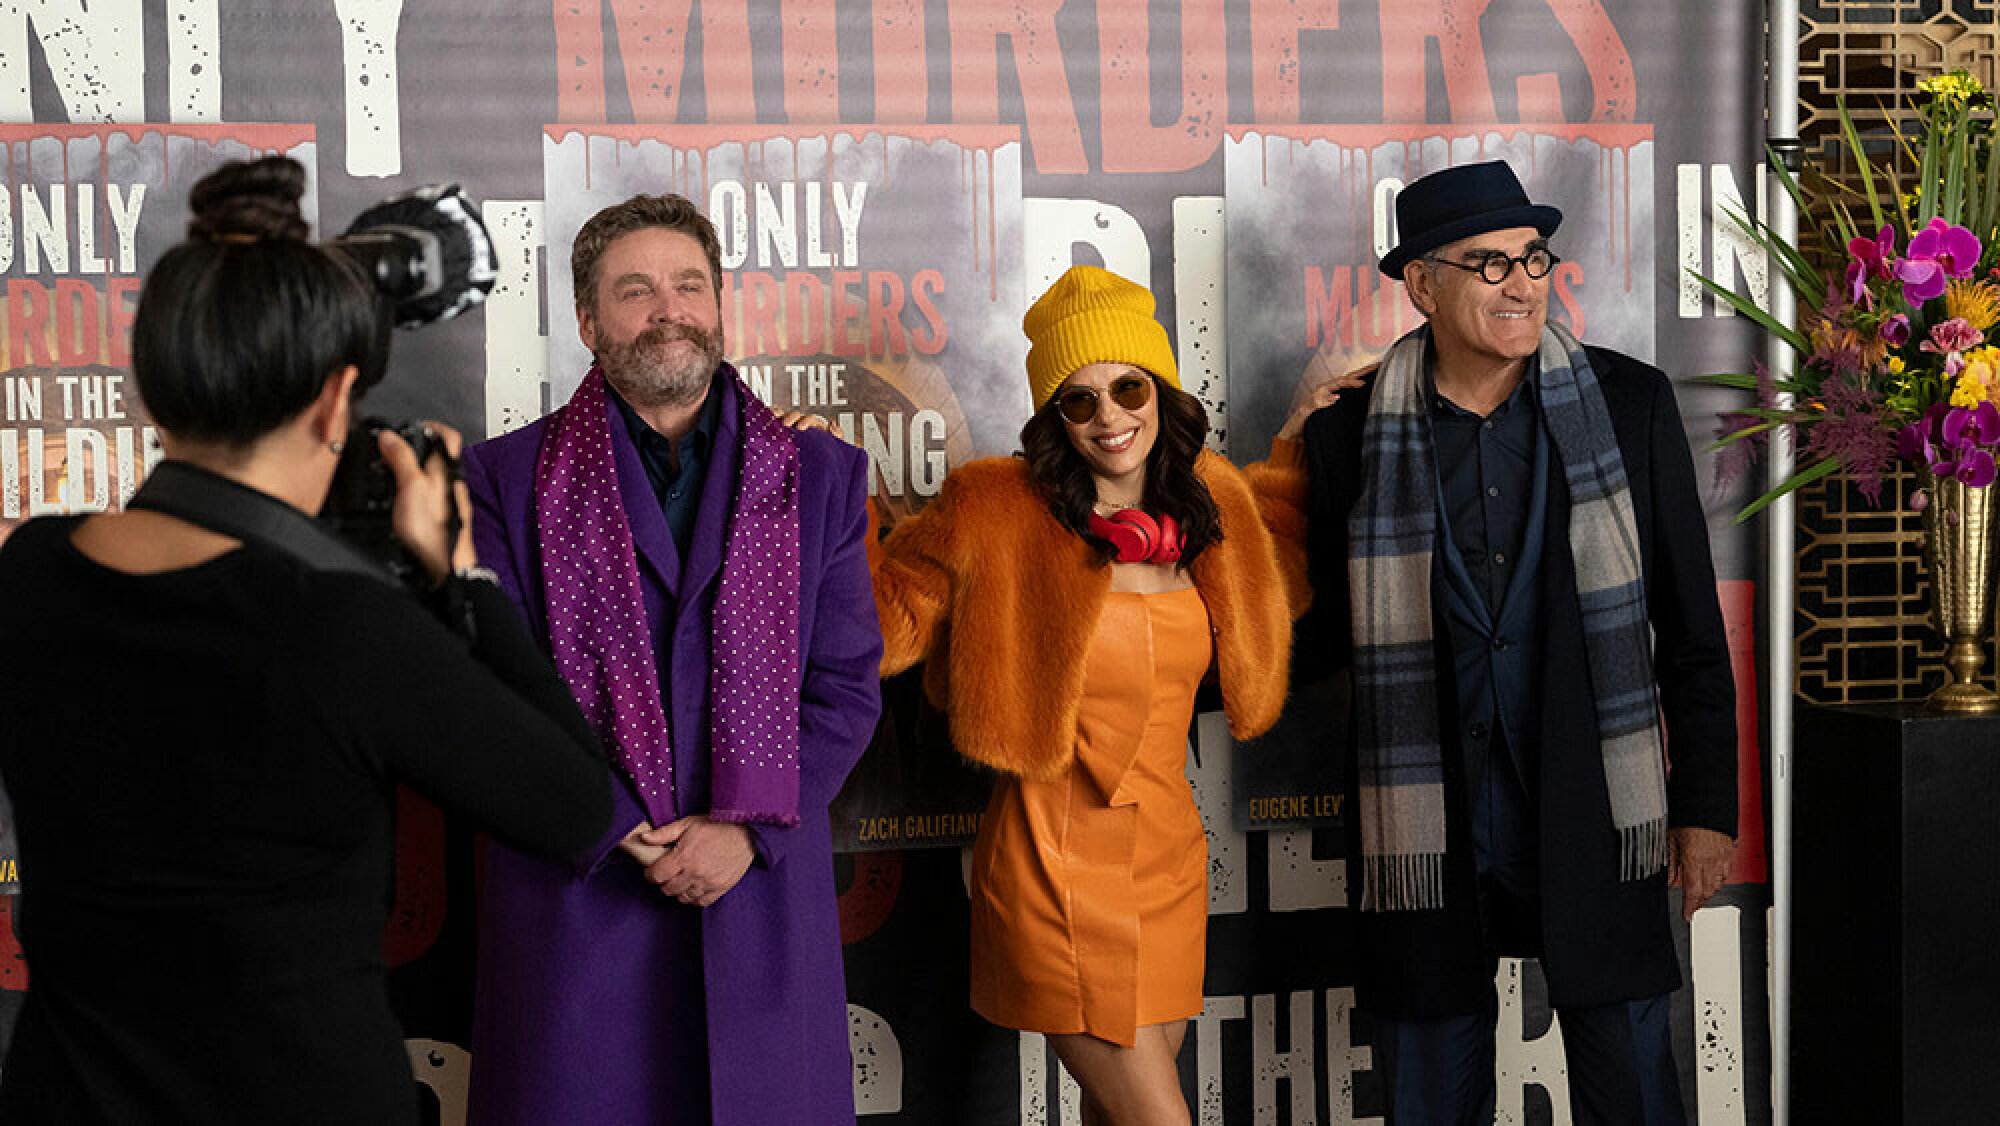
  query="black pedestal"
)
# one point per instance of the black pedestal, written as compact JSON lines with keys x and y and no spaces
{"x":1896,"y":917}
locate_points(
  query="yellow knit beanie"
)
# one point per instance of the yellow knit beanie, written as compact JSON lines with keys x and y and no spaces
{"x":1093,"y":316}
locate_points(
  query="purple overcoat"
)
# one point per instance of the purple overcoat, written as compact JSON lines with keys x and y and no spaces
{"x":601,"y":1000}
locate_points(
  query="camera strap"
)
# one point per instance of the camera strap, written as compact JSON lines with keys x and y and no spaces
{"x":219,"y":504}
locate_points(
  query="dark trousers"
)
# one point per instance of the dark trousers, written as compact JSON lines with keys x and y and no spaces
{"x":1439,"y":1072}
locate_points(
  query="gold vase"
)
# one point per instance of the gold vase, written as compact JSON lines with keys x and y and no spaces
{"x":1958,"y":544}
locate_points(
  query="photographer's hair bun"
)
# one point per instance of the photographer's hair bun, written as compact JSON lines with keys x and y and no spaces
{"x":245,"y":201}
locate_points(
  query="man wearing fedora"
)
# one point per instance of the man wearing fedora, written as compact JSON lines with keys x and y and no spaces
{"x":1509,"y":554}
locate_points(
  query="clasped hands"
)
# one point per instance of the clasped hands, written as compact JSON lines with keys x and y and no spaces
{"x":695,"y":859}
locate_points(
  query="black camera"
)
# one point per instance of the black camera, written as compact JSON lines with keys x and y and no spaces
{"x":361,"y":502}
{"x":429,"y":256}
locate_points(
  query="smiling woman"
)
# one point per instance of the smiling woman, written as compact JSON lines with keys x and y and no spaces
{"x":1069,"y":602}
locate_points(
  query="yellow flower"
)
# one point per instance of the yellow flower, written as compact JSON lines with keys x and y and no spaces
{"x":1896,"y":365}
{"x":1977,"y":380}
{"x":1977,"y":301}
{"x":1955,"y":85}
{"x":1982,"y":372}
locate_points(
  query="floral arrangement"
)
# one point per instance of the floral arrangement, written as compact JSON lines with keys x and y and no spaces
{"x":1894,"y":359}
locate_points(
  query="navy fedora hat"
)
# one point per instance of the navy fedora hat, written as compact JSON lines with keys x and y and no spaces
{"x":1456,"y":203}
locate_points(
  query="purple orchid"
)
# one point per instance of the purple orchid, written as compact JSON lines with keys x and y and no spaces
{"x":1914,"y":441}
{"x":1877,"y":253}
{"x":1954,"y":442}
{"x":1973,"y":467}
{"x":1869,"y":258}
{"x":1976,"y":426}
{"x":1954,"y":247}
{"x":1896,"y":331}
{"x":1939,"y":251}
{"x":1857,"y":284}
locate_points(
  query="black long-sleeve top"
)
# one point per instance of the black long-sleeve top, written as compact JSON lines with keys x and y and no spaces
{"x":202,"y":766}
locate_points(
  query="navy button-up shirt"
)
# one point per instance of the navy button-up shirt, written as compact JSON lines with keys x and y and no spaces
{"x":1484,"y":466}
{"x":676,"y":470}
{"x":1487,"y":489}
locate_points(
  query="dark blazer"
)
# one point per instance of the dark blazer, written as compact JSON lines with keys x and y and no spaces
{"x":1604,"y":939}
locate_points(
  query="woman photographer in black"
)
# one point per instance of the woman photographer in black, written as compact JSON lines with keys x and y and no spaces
{"x":201,"y":734}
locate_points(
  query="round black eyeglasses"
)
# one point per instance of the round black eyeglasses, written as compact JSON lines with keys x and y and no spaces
{"x":1493,"y":268}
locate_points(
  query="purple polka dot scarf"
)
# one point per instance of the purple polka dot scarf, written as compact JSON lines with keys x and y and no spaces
{"x":597,"y":619}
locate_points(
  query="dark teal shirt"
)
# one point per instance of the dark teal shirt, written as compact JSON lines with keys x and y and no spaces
{"x":676,"y":470}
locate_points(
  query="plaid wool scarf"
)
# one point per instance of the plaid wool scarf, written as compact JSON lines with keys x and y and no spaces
{"x":1393,"y":533}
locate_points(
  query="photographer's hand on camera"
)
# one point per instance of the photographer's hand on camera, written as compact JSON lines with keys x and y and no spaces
{"x":426,"y":498}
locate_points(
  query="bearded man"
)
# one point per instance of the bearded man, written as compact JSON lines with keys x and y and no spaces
{"x":697,"y":571}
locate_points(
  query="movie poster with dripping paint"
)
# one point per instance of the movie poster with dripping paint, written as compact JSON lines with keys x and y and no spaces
{"x":871,"y":276}
{"x":89,"y":210}
{"x":1310,"y":211}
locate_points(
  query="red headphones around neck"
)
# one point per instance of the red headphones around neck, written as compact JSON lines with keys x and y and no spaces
{"x":1140,"y":537}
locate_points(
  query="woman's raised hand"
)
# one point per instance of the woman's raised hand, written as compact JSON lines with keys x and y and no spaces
{"x":806,"y":420}
{"x":1316,"y":391}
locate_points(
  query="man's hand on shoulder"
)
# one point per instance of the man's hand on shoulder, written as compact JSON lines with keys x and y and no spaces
{"x":1697,"y":863}
{"x":701,"y":858}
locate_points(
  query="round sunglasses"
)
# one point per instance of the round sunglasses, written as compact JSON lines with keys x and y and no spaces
{"x":1079,"y":404}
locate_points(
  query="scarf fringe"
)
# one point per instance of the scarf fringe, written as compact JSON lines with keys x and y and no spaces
{"x":753,"y":817}
{"x":1403,"y":883}
{"x":1642,"y":849}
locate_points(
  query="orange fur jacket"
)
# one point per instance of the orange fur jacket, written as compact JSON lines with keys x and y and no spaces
{"x":1002,"y":599}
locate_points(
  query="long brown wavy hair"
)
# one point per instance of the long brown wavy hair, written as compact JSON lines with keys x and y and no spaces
{"x":1063,"y":478}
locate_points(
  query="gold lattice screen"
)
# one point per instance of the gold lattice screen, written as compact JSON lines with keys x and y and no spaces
{"x":1863,"y":630}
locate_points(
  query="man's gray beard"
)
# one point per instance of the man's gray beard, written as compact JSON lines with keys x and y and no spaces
{"x":647,"y":376}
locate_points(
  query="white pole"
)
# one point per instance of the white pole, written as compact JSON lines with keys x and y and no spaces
{"x":1782,"y":121}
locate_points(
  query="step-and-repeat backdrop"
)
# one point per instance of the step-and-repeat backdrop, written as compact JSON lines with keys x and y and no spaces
{"x":893,"y":182}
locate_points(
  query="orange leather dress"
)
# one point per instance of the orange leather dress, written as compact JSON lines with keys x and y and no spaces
{"x":1090,"y":891}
